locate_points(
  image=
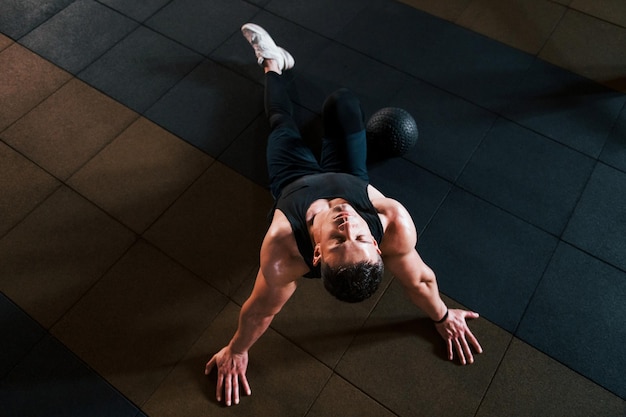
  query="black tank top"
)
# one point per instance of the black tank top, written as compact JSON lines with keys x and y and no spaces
{"x":296,"y":198}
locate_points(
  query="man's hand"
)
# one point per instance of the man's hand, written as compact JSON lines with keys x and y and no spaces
{"x":231,"y":372}
{"x":457,"y":335}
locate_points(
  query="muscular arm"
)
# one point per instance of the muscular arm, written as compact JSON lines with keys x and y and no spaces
{"x":275,"y":284}
{"x":258,"y":311}
{"x":403,"y":261}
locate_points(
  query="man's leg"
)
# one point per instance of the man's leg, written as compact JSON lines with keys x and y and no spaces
{"x":344,"y":146}
{"x":288,"y":157}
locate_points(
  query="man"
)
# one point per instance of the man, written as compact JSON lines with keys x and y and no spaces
{"x":327,"y":222}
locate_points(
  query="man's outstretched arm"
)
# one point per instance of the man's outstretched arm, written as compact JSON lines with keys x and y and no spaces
{"x":254,"y":319}
{"x":403,"y":261}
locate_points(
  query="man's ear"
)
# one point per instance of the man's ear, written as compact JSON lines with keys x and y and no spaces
{"x":317,"y":254}
{"x":377,"y":247}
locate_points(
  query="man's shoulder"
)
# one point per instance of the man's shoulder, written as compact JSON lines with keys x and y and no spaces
{"x":279,"y":253}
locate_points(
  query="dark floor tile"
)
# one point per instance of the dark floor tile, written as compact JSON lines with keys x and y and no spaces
{"x":51,"y":258}
{"x":528,"y":175}
{"x":340,"y":398}
{"x":450,"y":128}
{"x":19,"y":17}
{"x":285,"y":381}
{"x":398,"y":359}
{"x":79,"y":34}
{"x":485,"y":258}
{"x":530,"y":383}
{"x":565,"y":107}
{"x":336,"y":67}
{"x":598,"y":224}
{"x":209,"y":108}
{"x":201,"y":26}
{"x":138,"y":10}
{"x":614,"y":152}
{"x":141,"y":68}
{"x":51,"y":381}
{"x":216,"y":227}
{"x":326,"y":17}
{"x":27,"y":80}
{"x":139,"y":320}
{"x":246,"y":155}
{"x":419,"y":191}
{"x":140,"y":174}
{"x":452,"y":58}
{"x":20,"y":334}
{"x":572,"y":317}
{"x":54,"y":134}
{"x":23,"y":185}
{"x":387,"y":31}
{"x":237,"y":54}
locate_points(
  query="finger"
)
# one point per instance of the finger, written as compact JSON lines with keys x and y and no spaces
{"x":228,"y":390}
{"x":450,"y":353}
{"x":235,"y":390}
{"x":474,"y":342}
{"x":210,"y":364}
{"x":467,"y":350}
{"x":472,"y":315}
{"x":245,"y":385}
{"x":220,"y":386}
{"x":459,"y":351}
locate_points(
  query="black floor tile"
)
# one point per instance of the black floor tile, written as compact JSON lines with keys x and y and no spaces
{"x":450,"y":128}
{"x":209,"y":108}
{"x":79,"y":34}
{"x":201,"y":26}
{"x":450,"y":57}
{"x":138,"y":10}
{"x":575,"y":317}
{"x":336,"y":67}
{"x":246,"y":155}
{"x":566,"y":107}
{"x":528,"y":175}
{"x":326,"y":17}
{"x":614,"y":152}
{"x":418,"y":190}
{"x":141,"y":68}
{"x":21,"y":16}
{"x":397,"y":35}
{"x":20,"y":334}
{"x":51,"y":381}
{"x":598,"y":224}
{"x":485,"y":258}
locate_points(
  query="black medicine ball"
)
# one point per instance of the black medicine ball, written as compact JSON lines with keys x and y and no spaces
{"x":391,"y":131}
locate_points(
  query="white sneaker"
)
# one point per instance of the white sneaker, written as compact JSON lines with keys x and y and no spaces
{"x":265,"y":48}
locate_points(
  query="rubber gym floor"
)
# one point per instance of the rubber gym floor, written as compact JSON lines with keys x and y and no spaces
{"x":133,"y":201}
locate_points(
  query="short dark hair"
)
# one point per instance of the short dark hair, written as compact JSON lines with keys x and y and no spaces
{"x":353,"y":283}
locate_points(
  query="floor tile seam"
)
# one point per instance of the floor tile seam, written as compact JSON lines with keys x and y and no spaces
{"x":59,"y":184}
{"x":26,"y":352}
{"x":596,"y":17}
{"x":46,"y":335}
{"x":554,"y":29}
{"x":318,"y":395}
{"x":557,"y":360}
{"x":536,"y":55}
{"x":184,"y":355}
{"x":495,"y":373}
{"x":356,"y":387}
{"x":43,"y":99}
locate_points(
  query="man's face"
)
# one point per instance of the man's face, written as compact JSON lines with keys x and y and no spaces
{"x":342,"y":236}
